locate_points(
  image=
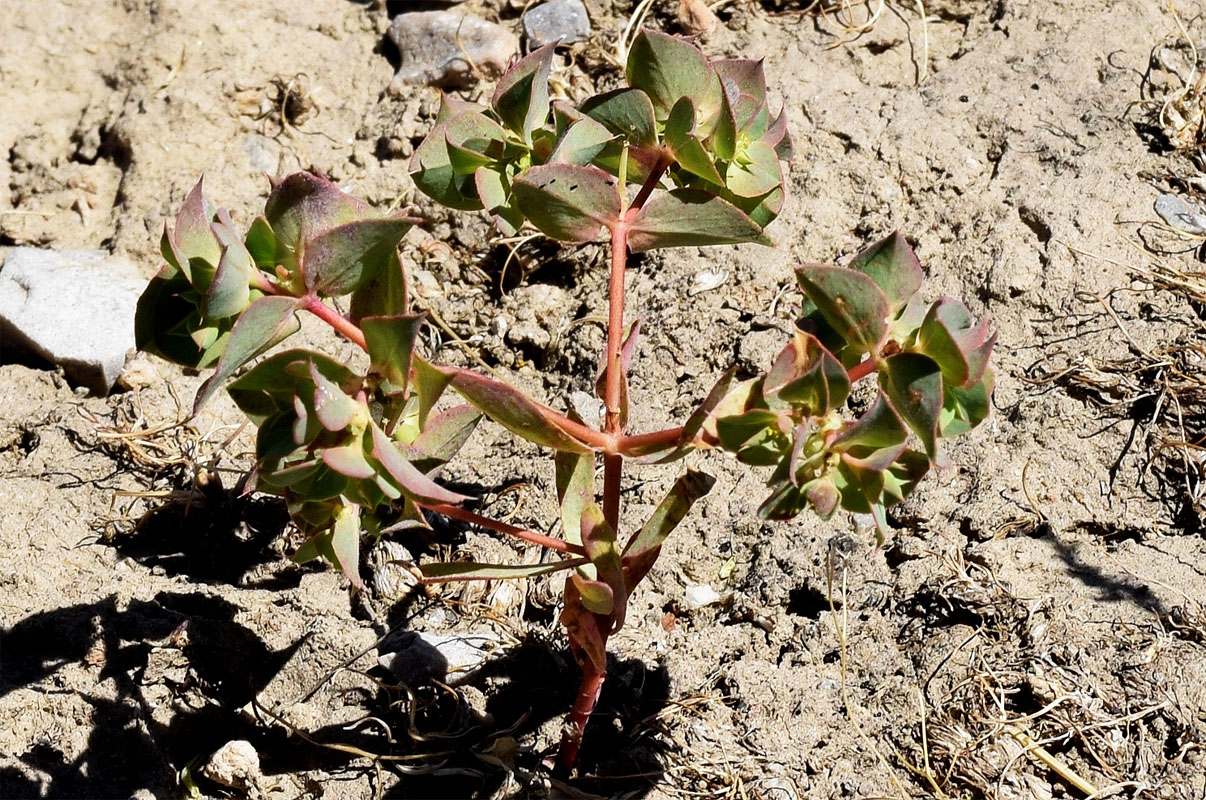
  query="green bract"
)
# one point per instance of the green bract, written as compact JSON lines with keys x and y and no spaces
{"x":567,"y":171}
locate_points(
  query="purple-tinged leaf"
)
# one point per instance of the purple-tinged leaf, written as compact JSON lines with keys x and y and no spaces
{"x":430,"y":383}
{"x":599,"y":541}
{"x":597,"y":596}
{"x":964,"y":409}
{"x":513,"y":410}
{"x":691,"y":218}
{"x":894,"y":267}
{"x":446,"y":433}
{"x":913,"y":385}
{"x":668,"y":68}
{"x":470,"y":571}
{"x":195,"y":245}
{"x":391,"y":343}
{"x":878,"y":428}
{"x":270,"y":386}
{"x":642,"y":550}
{"x":349,"y":461}
{"x":779,"y":137}
{"x":431,"y":165}
{"x":413,"y":483}
{"x":230,"y":291}
{"x":627,"y":113}
{"x":303,"y":205}
{"x":345,"y":542}
{"x":744,"y":84}
{"x":688,"y":150}
{"x":745,"y":396}
{"x":580,"y":143}
{"x":339,"y":260}
{"x":807,"y":375}
{"x":568,"y":203}
{"x":586,"y":639}
{"x":850,"y":301}
{"x":962,"y":348}
{"x":265,"y":322}
{"x":334,"y":409}
{"x":902,"y":477}
{"x":755,"y":171}
{"x":822,"y":495}
{"x":290,"y":475}
{"x":723,"y":141}
{"x":494,"y":190}
{"x":522,"y":96}
{"x":575,"y":479}
{"x":451,"y":106}
{"x":305,"y":426}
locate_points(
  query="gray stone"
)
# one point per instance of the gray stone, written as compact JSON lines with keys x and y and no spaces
{"x":447,"y":48}
{"x":417,"y":657}
{"x":564,"y":20}
{"x":1181,"y":215}
{"x":236,"y":765}
{"x":73,"y":308}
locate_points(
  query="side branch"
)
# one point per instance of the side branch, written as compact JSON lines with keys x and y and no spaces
{"x":541,"y":539}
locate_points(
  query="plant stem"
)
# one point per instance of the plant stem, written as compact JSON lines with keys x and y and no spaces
{"x":629,"y":445}
{"x":559,"y":545}
{"x":862,"y":369}
{"x":575,"y":725}
{"x":613,"y":463}
{"x":341,"y":324}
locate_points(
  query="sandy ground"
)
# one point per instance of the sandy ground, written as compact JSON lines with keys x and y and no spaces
{"x":1046,"y":588}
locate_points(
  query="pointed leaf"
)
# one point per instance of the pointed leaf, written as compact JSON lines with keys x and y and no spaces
{"x":513,"y":410}
{"x":568,"y":203}
{"x":195,"y":244}
{"x":431,"y":165}
{"x":850,"y":302}
{"x":691,"y":218}
{"x":903,"y":476}
{"x":494,"y":190}
{"x":913,"y":385}
{"x":575,"y":478}
{"x":444,"y":435}
{"x":878,"y":428}
{"x":642,"y":550}
{"x":348,"y":461}
{"x":413,"y":483}
{"x":522,"y":96}
{"x":391,"y":342}
{"x":334,"y":409}
{"x":385,"y":294}
{"x":627,"y":113}
{"x":263,"y":324}
{"x":667,"y":68}
{"x":755,"y":171}
{"x":949,"y":336}
{"x":470,"y":571}
{"x":744,"y":84}
{"x":270,"y":385}
{"x":345,"y":542}
{"x":341,"y":259}
{"x":581,"y":142}
{"x":261,"y":245}
{"x":303,"y":205}
{"x":779,"y":137}
{"x":688,"y":151}
{"x":807,"y":375}
{"x":430,"y":382}
{"x":894,"y":267}
{"x":964,"y":409}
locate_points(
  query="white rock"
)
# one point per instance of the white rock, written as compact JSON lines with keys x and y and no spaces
{"x":700,"y":596}
{"x":1181,"y":215}
{"x":416,"y":656}
{"x":447,"y":48}
{"x":73,"y":308}
{"x":236,"y":764}
{"x":564,"y":20}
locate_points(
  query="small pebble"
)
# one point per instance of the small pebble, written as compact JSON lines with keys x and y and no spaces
{"x":566,"y":21}
{"x":446,"y":48}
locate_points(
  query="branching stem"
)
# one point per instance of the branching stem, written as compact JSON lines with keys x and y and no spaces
{"x":560,"y":545}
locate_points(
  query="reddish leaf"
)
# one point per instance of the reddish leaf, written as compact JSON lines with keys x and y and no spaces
{"x":568,"y":203}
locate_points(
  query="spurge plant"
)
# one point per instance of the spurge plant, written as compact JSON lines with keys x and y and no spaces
{"x":687,"y":154}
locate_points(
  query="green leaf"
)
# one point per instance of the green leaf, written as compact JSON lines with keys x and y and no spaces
{"x":345,"y":543}
{"x":261,"y":245}
{"x":568,"y":203}
{"x":913,"y":385}
{"x":878,"y":428}
{"x":894,"y":267}
{"x":349,"y":461}
{"x":691,"y":218}
{"x":580,"y":143}
{"x":444,"y":435}
{"x":385,"y":294}
{"x":667,"y":68}
{"x":949,"y":336}
{"x":738,"y":431}
{"x":522,"y":96}
{"x":264,"y":323}
{"x":964,"y":409}
{"x":430,"y":382}
{"x":903,"y":476}
{"x":413,"y":483}
{"x":599,"y":541}
{"x":270,"y":385}
{"x":391,"y":342}
{"x":341,"y":259}
{"x":303,"y":205}
{"x":688,"y":151}
{"x":334,"y":409}
{"x":723,"y":141}
{"x":575,"y":479}
{"x":642,"y":550}
{"x":470,"y":571}
{"x":230,"y":291}
{"x":850,"y":302}
{"x":431,"y":165}
{"x":744,"y":83}
{"x":808,"y":376}
{"x":778,"y":136}
{"x":513,"y":410}
{"x":755,"y":171}
{"x":194,"y":243}
{"x":494,"y":190}
{"x":627,"y":113}
{"x":165,"y":318}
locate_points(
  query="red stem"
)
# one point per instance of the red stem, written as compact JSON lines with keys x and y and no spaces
{"x":341,"y":324}
{"x":575,"y":724}
{"x":559,"y":545}
{"x":862,"y":369}
{"x":627,"y":445}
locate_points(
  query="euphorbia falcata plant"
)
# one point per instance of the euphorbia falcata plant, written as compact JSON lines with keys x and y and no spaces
{"x":687,"y":154}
